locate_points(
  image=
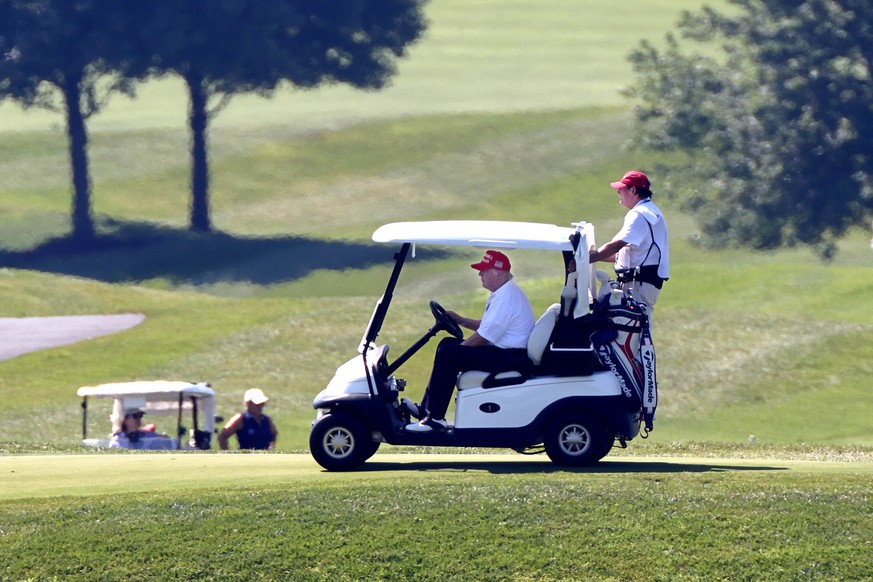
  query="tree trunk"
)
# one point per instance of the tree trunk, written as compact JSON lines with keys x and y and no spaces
{"x":198,"y":120}
{"x":83,"y":222}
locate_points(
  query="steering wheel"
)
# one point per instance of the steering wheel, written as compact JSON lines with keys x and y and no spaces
{"x":443,"y":320}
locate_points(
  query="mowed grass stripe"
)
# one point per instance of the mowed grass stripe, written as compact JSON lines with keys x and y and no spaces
{"x":122,"y":472}
{"x":479,"y":56}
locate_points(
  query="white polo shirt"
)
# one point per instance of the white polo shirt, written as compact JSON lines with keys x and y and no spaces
{"x":645,"y":232}
{"x":508,"y":318}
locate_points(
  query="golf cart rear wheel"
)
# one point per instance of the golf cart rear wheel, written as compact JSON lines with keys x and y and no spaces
{"x":371,"y":449}
{"x":576,"y":439}
{"x":341,"y":442}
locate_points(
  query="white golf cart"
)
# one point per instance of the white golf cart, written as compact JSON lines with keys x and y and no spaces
{"x":563,"y":402}
{"x":160,"y":398}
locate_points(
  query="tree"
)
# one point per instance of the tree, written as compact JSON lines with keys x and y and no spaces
{"x":221,"y":48}
{"x":781,"y":125}
{"x":63,"y":47}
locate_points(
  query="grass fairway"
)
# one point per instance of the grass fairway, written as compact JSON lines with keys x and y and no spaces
{"x":122,"y":473}
{"x":436,"y":517}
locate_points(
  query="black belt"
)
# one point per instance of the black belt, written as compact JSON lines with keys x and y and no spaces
{"x":645,"y":274}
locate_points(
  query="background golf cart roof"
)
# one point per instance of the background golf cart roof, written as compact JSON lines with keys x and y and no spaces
{"x":484,"y":233}
{"x":151,"y":390}
{"x":155,"y":398}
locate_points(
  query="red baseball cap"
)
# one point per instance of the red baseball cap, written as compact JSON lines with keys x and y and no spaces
{"x":632,"y":178}
{"x":493,"y":260}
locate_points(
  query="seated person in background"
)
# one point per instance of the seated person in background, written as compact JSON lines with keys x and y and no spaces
{"x":253,"y":428}
{"x":131,"y":435}
{"x":498,"y":341}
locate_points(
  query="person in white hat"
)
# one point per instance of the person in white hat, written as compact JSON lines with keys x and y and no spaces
{"x":253,"y":428}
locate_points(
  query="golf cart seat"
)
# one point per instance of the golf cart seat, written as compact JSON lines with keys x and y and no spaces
{"x":537,"y":343}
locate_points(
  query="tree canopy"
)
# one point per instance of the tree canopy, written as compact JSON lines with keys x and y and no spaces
{"x":84,"y":50}
{"x":64,"y":48}
{"x":221,"y":48}
{"x":780,"y":123}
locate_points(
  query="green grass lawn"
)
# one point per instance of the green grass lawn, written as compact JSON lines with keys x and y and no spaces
{"x":435,"y":517}
{"x":505,"y":111}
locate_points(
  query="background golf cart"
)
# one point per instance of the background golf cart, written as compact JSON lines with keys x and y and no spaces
{"x":180,"y":402}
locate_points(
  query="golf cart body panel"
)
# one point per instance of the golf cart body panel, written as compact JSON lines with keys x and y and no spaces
{"x":575,"y":417}
{"x":349,"y":379}
{"x":518,"y":405}
{"x":352,"y":377}
{"x":157,"y":398}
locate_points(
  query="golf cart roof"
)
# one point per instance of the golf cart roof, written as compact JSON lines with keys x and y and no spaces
{"x":154,"y":389}
{"x":481,"y":233}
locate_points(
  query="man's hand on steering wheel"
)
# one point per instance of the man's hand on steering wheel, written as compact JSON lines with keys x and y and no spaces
{"x":444,"y":321}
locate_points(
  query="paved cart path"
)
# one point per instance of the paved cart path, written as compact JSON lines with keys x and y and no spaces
{"x":19,"y":336}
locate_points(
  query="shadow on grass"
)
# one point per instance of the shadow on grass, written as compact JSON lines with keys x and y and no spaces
{"x":544,"y":466}
{"x":132,"y":252}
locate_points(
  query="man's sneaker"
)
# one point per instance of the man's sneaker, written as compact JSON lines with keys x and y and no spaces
{"x":413,"y":409}
{"x":428,"y":424}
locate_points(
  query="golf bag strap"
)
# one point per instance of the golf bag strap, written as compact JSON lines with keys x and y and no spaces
{"x":650,"y":379}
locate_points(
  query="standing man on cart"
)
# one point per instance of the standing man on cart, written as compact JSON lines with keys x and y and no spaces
{"x":640,"y":250}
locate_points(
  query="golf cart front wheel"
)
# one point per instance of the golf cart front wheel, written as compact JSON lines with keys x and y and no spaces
{"x":576,"y":440}
{"x":340,"y":442}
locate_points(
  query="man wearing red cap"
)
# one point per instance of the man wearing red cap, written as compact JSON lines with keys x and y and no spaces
{"x":640,"y":249}
{"x":498,"y":342}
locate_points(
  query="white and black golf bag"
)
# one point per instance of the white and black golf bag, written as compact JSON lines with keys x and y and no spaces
{"x":624,"y":346}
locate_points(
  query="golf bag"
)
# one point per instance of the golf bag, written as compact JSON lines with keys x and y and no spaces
{"x":624,"y":346}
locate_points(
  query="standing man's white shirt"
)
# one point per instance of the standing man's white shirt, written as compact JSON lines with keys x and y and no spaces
{"x":645,"y":232}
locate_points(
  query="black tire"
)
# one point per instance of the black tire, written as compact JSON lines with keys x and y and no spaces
{"x":371,"y":450}
{"x":575,"y":439}
{"x":610,"y":442}
{"x":341,"y":442}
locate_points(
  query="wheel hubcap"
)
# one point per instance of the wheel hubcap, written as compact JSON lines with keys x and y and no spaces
{"x":338,"y":442}
{"x":574,"y":439}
